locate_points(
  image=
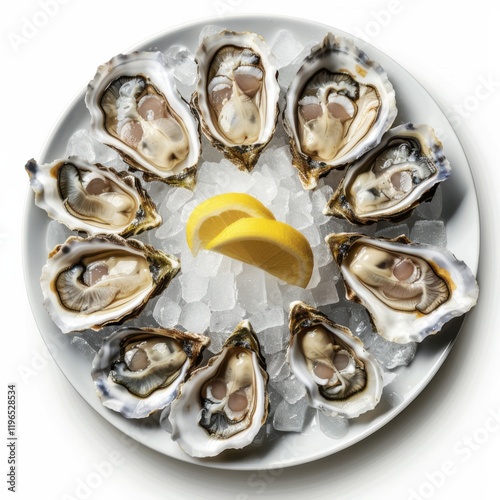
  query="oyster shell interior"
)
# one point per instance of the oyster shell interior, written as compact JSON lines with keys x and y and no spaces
{"x":340,"y":376}
{"x":138,"y":371}
{"x":137,"y":114}
{"x":92,"y":198}
{"x":237,"y":94}
{"x":223,"y":404}
{"x":338,"y":106}
{"x":88,"y":283}
{"x":136,"y":109}
{"x":410,"y":290}
{"x":393,"y":178}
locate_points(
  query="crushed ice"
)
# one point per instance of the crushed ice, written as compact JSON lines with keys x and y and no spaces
{"x":213,"y":292}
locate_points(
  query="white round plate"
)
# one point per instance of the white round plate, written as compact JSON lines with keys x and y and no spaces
{"x":460,"y":214}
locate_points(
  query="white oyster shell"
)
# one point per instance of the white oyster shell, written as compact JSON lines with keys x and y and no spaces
{"x":136,"y":109}
{"x":237,"y":94}
{"x":138,"y":371}
{"x":393,"y":178}
{"x":92,"y":198}
{"x":224,"y":404}
{"x":340,"y":376}
{"x":338,"y":106}
{"x":90,"y":282}
{"x":410,"y":290}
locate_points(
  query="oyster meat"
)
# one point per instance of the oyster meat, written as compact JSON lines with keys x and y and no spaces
{"x":340,"y":376}
{"x":237,"y":94}
{"x":338,"y":106}
{"x":410,"y":290}
{"x":92,"y":198}
{"x":136,"y":109}
{"x":224,"y":404}
{"x":393,"y":178}
{"x":138,"y":371}
{"x":91,"y":282}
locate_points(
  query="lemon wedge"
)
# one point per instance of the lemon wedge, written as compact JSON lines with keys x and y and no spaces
{"x":213,"y":215}
{"x":271,"y":245}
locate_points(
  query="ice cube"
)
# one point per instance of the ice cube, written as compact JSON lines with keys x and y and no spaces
{"x":263,"y":188}
{"x":182,"y":60}
{"x":291,"y":417}
{"x":267,"y":318}
{"x":274,"y":339}
{"x":285,"y":48}
{"x":195,"y":317}
{"x":177,"y":198}
{"x":279,"y":206}
{"x":431,"y":209}
{"x":81,"y":144}
{"x":392,"y":230}
{"x":208,"y":30}
{"x":291,"y":389}
{"x":299,"y":219}
{"x":325,"y":292}
{"x":85,"y":349}
{"x":221,"y":292}
{"x":167,"y":312}
{"x":277,"y":367}
{"x":251,"y":286}
{"x":57,"y":234}
{"x":333,"y":427}
{"x":431,"y":232}
{"x":287,"y":72}
{"x":207,"y":263}
{"x":391,"y":354}
{"x":273,"y":291}
{"x":194,"y":286}
{"x":170,"y":227}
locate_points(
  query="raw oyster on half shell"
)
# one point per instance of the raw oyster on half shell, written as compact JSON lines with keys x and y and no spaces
{"x":138,"y":371}
{"x":338,"y":106}
{"x":88,"y":283}
{"x":224,"y":404}
{"x":92,"y":198}
{"x":389,"y":181}
{"x":410,"y":290}
{"x":136,"y":109}
{"x":340,"y":376}
{"x":237,"y":94}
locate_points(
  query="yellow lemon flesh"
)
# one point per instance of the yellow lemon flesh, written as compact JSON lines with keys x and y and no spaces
{"x":213,"y":215}
{"x":270,"y":245}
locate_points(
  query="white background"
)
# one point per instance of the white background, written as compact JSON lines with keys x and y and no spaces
{"x":444,"y":445}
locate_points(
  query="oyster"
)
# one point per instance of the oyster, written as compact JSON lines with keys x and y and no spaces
{"x":224,"y":404}
{"x":138,"y":371}
{"x":340,"y":377}
{"x":393,"y":178}
{"x":136,"y":109}
{"x":338,"y":106}
{"x":237,"y":94}
{"x":88,"y":283}
{"x":410,"y":290}
{"x":92,"y":198}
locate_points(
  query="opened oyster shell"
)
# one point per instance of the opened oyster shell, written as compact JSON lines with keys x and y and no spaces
{"x":88,"y":283}
{"x":237,"y":94}
{"x":138,"y":371}
{"x":92,"y":198}
{"x":389,"y":181}
{"x":410,"y":290}
{"x":223,"y":404}
{"x":338,"y":106}
{"x":340,"y":377}
{"x":136,"y":109}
